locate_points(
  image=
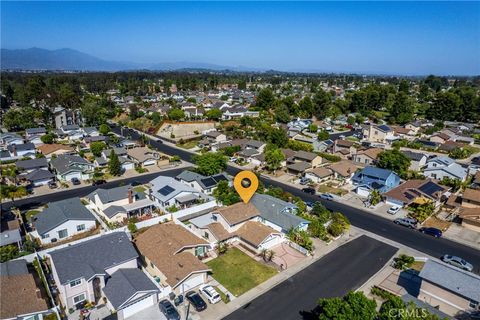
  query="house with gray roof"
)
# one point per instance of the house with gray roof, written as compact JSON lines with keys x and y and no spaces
{"x":38,"y":177}
{"x":417,"y":160}
{"x":278,"y":214}
{"x":67,"y":166}
{"x":449,"y":289}
{"x":205,"y":184}
{"x":167,"y":191}
{"x":61,"y":220}
{"x":441,"y":167}
{"x":9,"y":138}
{"x":120,"y":204}
{"x":32,"y":164}
{"x":18,"y":151}
{"x":81,"y":271}
{"x":35,"y":132}
{"x":127,"y":288}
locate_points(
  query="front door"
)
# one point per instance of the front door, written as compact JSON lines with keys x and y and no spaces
{"x":97,"y":293}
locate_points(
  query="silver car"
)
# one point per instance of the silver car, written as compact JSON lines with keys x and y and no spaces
{"x":457,"y":262}
{"x":406,"y":222}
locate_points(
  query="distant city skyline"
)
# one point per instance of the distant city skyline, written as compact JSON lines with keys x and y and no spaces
{"x":412,"y":38}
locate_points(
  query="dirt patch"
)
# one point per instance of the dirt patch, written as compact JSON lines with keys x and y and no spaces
{"x":184,"y":130}
{"x":435,"y":222}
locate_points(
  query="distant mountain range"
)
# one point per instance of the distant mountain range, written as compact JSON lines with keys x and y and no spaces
{"x":73,"y":60}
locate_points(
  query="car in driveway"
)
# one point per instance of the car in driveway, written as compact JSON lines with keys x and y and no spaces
{"x":52,"y":185}
{"x":75,"y":181}
{"x":198,"y":303}
{"x":457,"y":262}
{"x":168,"y":310}
{"x":309,"y":190}
{"x":326,"y":196}
{"x":437,"y":233}
{"x":406,"y":222}
{"x":210,"y":294}
{"x":99,"y":182}
{"x":394,"y":209}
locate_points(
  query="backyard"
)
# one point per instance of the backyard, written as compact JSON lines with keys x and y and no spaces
{"x":239,"y":273}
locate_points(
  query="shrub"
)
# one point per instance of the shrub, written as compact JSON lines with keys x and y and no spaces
{"x":403,"y":262}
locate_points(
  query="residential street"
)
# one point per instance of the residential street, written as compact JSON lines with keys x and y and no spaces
{"x":340,"y":271}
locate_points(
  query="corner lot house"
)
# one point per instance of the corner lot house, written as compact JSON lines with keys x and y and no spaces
{"x":82,"y":273}
{"x":171,"y":254}
{"x":441,"y":167}
{"x":68,"y":167}
{"x":61,"y":220}
{"x":372,"y":178}
{"x":21,"y":298}
{"x":450,"y":289}
{"x":119,"y":204}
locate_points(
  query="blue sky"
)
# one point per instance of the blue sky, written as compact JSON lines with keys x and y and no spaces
{"x":383,"y":37}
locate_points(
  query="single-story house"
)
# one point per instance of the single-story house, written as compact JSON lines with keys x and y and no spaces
{"x":61,"y":220}
{"x":470,"y":218}
{"x":417,"y":160}
{"x":166,"y":192}
{"x":450,"y":289}
{"x":143,"y":156}
{"x":343,"y":170}
{"x":319,"y":174}
{"x":32,"y":164}
{"x":471,"y":198}
{"x":412,"y":191}
{"x":205,"y":184}
{"x":441,"y":167}
{"x":48,"y":150}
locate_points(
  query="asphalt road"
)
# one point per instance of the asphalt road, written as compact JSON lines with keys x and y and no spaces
{"x":359,"y":218}
{"x":32,"y":202}
{"x":342,"y":270}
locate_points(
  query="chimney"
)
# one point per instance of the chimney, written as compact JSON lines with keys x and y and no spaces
{"x":130,"y":195}
{"x":14,"y":148}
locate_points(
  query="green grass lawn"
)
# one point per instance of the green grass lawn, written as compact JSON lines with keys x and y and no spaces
{"x":238,"y":272}
{"x":188,"y":145}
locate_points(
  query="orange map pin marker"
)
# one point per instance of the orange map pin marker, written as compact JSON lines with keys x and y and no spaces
{"x":246,"y":183}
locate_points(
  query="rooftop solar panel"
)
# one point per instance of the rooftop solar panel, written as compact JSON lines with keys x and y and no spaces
{"x":430,"y":188}
{"x":219,"y":177}
{"x":409,"y":196}
{"x":209,"y":182}
{"x":166,"y":190}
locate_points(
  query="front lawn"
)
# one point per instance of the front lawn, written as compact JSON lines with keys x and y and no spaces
{"x":238,"y":272}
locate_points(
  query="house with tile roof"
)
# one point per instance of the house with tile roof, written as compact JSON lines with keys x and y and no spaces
{"x":172,"y":255}
{"x":22,"y":298}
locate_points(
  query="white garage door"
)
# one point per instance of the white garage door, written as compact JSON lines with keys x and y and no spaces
{"x":192,"y":282}
{"x":138,"y":306}
{"x":363,"y":192}
{"x":272,"y":241}
{"x":69,"y":176}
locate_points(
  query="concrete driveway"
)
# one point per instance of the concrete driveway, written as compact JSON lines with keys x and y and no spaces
{"x":150,"y":313}
{"x":286,"y":256}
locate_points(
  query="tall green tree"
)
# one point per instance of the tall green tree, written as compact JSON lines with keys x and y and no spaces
{"x":402,"y":110}
{"x":322,"y":102}
{"x":265,"y":99}
{"x":274,"y":158}
{"x":114,"y":165}
{"x":353,"y":306}
{"x":97,"y":147}
{"x":394,"y":160}
{"x":210,"y":163}
{"x":176,"y":114}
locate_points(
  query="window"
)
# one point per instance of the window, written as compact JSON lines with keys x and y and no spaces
{"x":205,"y":235}
{"x":79,"y":298}
{"x":45,"y":236}
{"x":81,"y":227}
{"x":473,"y":304}
{"x":62,"y":233}
{"x":75,"y":283}
{"x":199,"y":251}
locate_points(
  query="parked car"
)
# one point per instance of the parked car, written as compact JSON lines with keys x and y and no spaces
{"x":406,"y":222}
{"x":169,"y":310}
{"x":394,"y":209}
{"x":198,"y":303}
{"x":326,"y":196}
{"x":210,"y":293}
{"x":309,"y":190}
{"x":304,"y":181}
{"x":135,"y":183}
{"x":309,"y":204}
{"x":457,"y":262}
{"x":75,"y":181}
{"x":437,"y":233}
{"x":52,"y":185}
{"x":99,"y":182}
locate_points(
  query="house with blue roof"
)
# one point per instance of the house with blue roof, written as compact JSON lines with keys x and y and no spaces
{"x":372,"y":178}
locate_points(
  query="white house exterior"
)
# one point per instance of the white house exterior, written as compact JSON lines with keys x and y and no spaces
{"x":441,"y":167}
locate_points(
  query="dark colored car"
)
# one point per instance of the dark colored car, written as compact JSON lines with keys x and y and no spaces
{"x":135,"y":183}
{"x":198,"y":303}
{"x":99,"y":182}
{"x":75,"y":181}
{"x":169,"y":310}
{"x":52,"y":184}
{"x":431,"y":231}
{"x":309,"y":190}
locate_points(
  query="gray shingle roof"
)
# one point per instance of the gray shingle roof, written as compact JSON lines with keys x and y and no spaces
{"x":124,"y":284}
{"x":113,"y":194}
{"x":276,"y":211}
{"x":66,"y":162}
{"x":35,"y":130}
{"x":13,"y":268}
{"x":21,"y":147}
{"x":177,"y":186}
{"x":463,"y":283}
{"x":9,"y":237}
{"x":59,"y":212}
{"x":415,"y":156}
{"x":32,"y":164}
{"x":85,"y":259}
{"x":40,"y":174}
